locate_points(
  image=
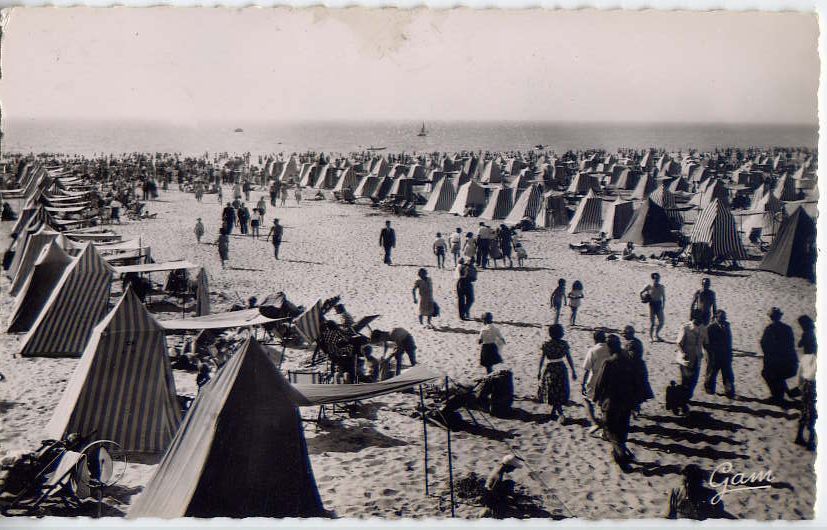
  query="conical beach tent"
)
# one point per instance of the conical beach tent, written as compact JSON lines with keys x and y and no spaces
{"x":649,"y":226}
{"x":793,"y":251}
{"x":20,"y":269}
{"x":664,"y":198}
{"x":499,"y":204}
{"x":75,"y":306}
{"x":715,"y":230}
{"x":46,"y":274}
{"x":785,"y":188}
{"x":527,"y":205}
{"x":617,"y":217}
{"x":366,"y":186}
{"x":240,"y":451}
{"x":646,"y":184}
{"x":589,"y":215}
{"x":469,"y":195}
{"x":442,"y":197}
{"x":122,"y":389}
{"x":553,"y":212}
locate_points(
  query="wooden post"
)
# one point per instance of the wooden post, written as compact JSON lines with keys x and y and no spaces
{"x":450,"y":459}
{"x":424,"y":433}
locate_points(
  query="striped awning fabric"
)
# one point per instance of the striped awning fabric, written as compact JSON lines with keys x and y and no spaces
{"x":716,"y":227}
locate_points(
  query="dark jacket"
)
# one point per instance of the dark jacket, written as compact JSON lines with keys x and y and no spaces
{"x":719,"y":340}
{"x":387,"y":238}
{"x":778,"y":346}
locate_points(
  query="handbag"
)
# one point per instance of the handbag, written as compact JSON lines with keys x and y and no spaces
{"x":436,"y":310}
{"x":645,"y":298}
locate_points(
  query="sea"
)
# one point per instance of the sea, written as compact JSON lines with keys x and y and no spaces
{"x":262,"y":138}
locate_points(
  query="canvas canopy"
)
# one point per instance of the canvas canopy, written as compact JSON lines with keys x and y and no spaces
{"x":240,"y":451}
{"x":553,"y":212}
{"x":616,"y":218}
{"x":469,"y":195}
{"x":38,"y":287}
{"x":75,"y":306}
{"x":589,"y":215}
{"x":499,"y":204}
{"x":156,"y":267}
{"x":793,"y":251}
{"x":442,"y":197}
{"x":122,"y":389}
{"x":318,"y":394}
{"x":527,"y":205}
{"x":231,"y":319}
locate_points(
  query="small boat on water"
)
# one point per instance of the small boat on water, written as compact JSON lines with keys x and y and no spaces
{"x":372,"y":148}
{"x":423,"y":131}
{"x":539,"y":146}
{"x":239,"y":129}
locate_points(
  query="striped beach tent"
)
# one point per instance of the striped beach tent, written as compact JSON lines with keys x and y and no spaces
{"x":308,"y":175}
{"x":589,"y":215}
{"x":309,"y":323}
{"x":499,"y":204}
{"x":75,"y":306}
{"x":469,"y":195}
{"x":553,"y":212}
{"x":325,"y":177}
{"x":646,"y":184}
{"x":443,"y":196}
{"x":627,"y":179}
{"x":766,"y":217}
{"x":679,"y":185}
{"x":583,"y":182}
{"x":617,"y":217}
{"x":490,"y":173}
{"x":46,"y":273}
{"x":666,"y":200}
{"x":366,"y":186}
{"x":785,"y":188}
{"x":650,"y":225}
{"x":290,"y":171}
{"x":402,"y":187}
{"x":382,"y":188}
{"x":21,"y":268}
{"x":757,"y":196}
{"x":240,"y":451}
{"x":714,"y":189}
{"x":715,"y":230}
{"x":348,"y":179}
{"x":122,"y":389}
{"x":202,"y":293}
{"x":527,"y":205}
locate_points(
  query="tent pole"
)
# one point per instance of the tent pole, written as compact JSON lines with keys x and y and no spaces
{"x":425,"y":434}
{"x":450,"y":459}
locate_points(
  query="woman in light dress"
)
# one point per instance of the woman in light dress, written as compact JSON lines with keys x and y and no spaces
{"x":425,"y":288}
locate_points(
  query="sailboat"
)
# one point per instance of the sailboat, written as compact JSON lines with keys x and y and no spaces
{"x":423,"y":131}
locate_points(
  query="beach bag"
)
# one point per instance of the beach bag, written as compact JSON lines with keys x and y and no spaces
{"x":677,"y":397}
{"x":645,"y":298}
{"x":436,"y":310}
{"x":472,"y":274}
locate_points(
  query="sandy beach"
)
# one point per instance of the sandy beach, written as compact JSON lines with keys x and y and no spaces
{"x":370,"y":463}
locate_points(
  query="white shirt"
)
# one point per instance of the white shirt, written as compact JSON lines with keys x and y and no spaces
{"x":489,"y":334}
{"x":485,"y":232}
{"x":455,"y":240}
{"x":807,"y":367}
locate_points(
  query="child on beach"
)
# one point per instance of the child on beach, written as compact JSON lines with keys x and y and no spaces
{"x":199,"y":230}
{"x":255,"y":222}
{"x":575,"y":299}
{"x":439,"y":250}
{"x":298,"y":195}
{"x":521,"y":254}
{"x":558,"y":299}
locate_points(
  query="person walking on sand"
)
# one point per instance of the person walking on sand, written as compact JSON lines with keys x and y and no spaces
{"x":247,"y":189}
{"x":283,"y":194}
{"x":690,"y":343}
{"x":704,"y":301}
{"x":491,"y":342}
{"x":505,"y":240}
{"x":616,"y":395}
{"x":719,"y":355}
{"x":425,"y":288}
{"x":780,"y":357}
{"x":275,"y":186}
{"x":807,"y":383}
{"x":558,"y":299}
{"x":634,"y":350}
{"x":275,"y":234}
{"x":439,"y":247}
{"x":223,"y":247}
{"x":593,"y":365}
{"x":484,"y":238}
{"x":220,"y":194}
{"x":243,"y":218}
{"x":199,"y":230}
{"x":228,"y":218}
{"x":463,"y":286}
{"x":455,"y":243}
{"x":575,"y":298}
{"x":469,"y":248}
{"x":261,"y":206}
{"x":298,"y":195}
{"x":554,"y":380}
{"x":655,"y":295}
{"x":387,"y":240}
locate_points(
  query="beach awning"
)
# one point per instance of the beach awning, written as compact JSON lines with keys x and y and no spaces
{"x":65,"y":209}
{"x":232,"y":319}
{"x":327,"y":394}
{"x":156,"y":267}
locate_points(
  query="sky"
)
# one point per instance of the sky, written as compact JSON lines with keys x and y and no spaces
{"x":188,"y":66}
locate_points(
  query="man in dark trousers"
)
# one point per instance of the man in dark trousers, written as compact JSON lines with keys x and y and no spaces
{"x":275,"y":233}
{"x":780,"y":357}
{"x":228,"y":218}
{"x":704,"y":301}
{"x":387,"y":240}
{"x":719,"y":355}
{"x":247,"y":188}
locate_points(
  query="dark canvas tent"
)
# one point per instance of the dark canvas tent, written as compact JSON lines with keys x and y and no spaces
{"x":649,"y":226}
{"x":553,"y":212}
{"x":793,"y":252}
{"x":240,"y":451}
{"x":48,"y":270}
{"x":666,"y":200}
{"x":122,"y":389}
{"x":75,"y":306}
